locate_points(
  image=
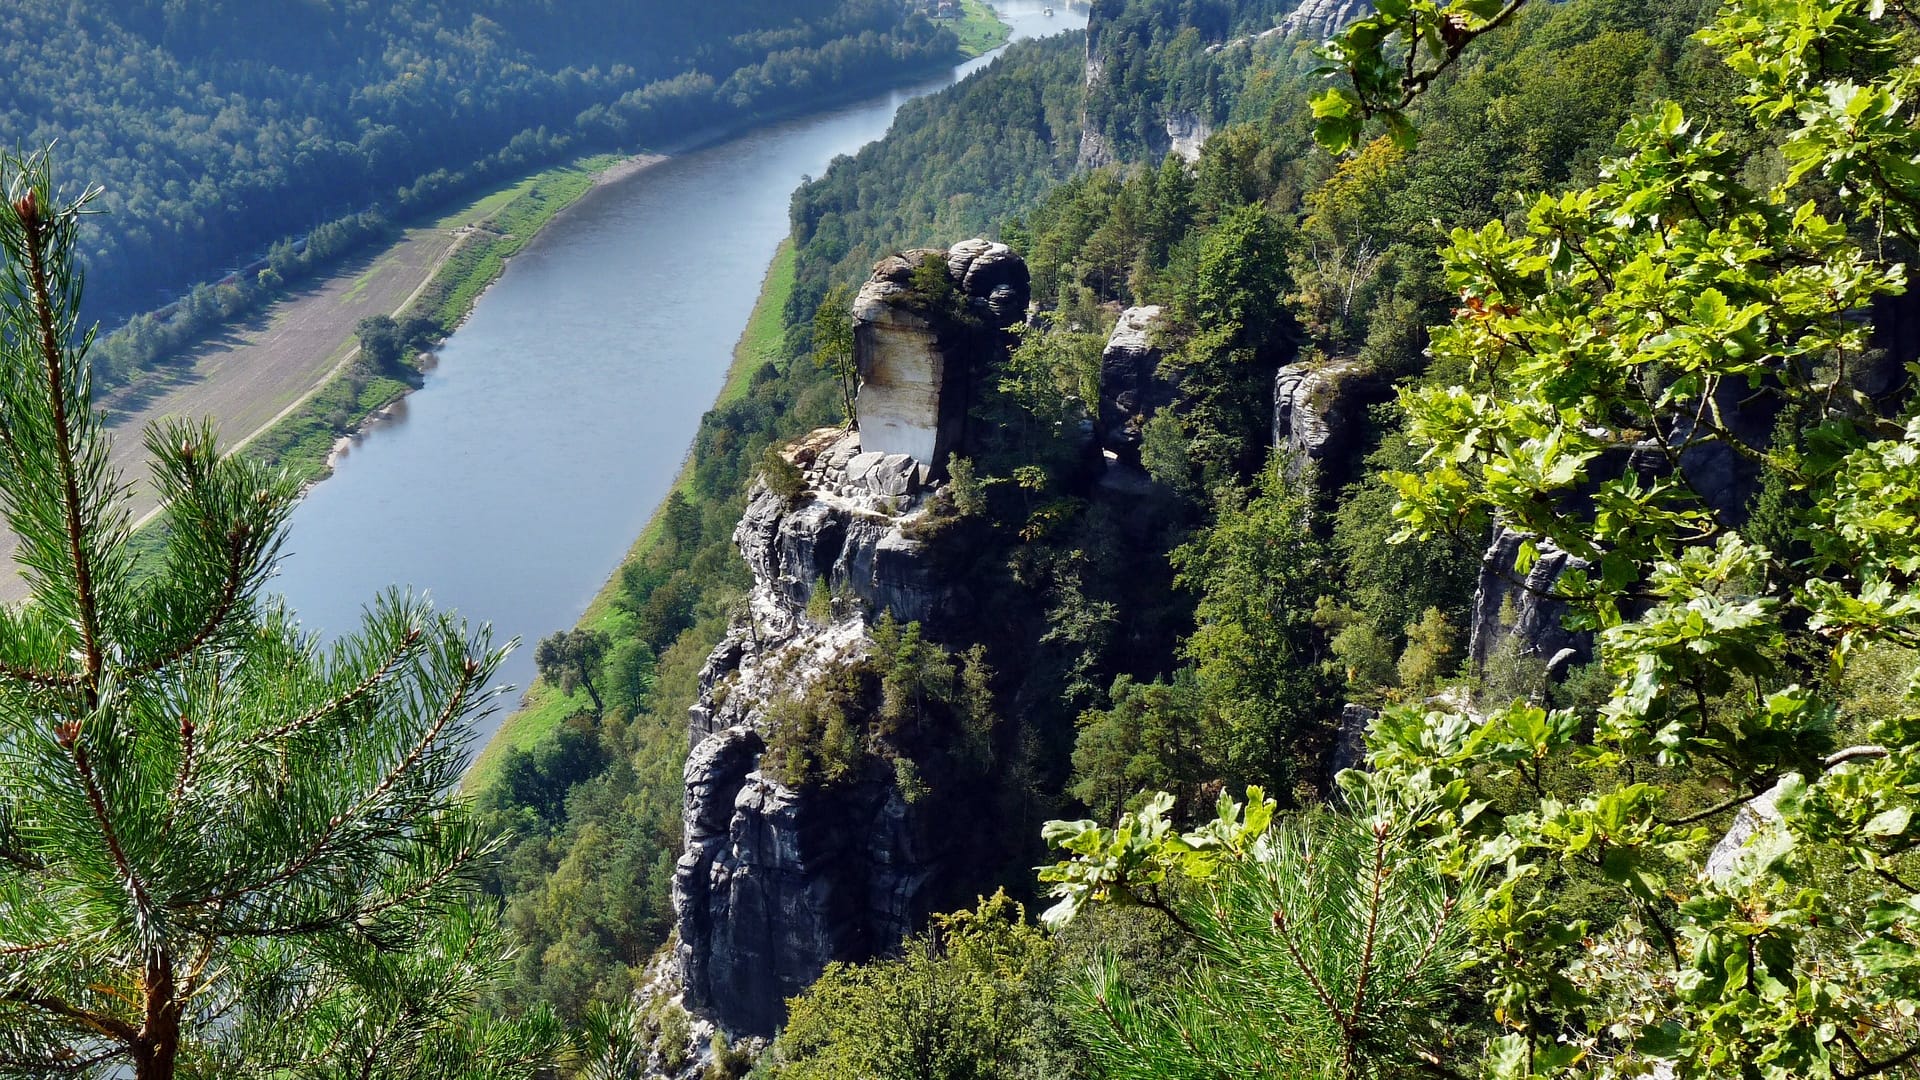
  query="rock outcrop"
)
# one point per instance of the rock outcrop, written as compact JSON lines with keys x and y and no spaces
{"x":775,"y":881}
{"x":1510,"y":607}
{"x":1132,"y":386}
{"x":915,"y":356}
{"x":1318,"y":20}
{"x":1187,"y":133}
{"x":1320,"y":415}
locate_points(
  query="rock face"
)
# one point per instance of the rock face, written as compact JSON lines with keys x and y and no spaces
{"x":916,"y":359}
{"x":1350,"y":740}
{"x":1320,"y":415}
{"x":776,"y":882}
{"x":1508,"y":607}
{"x":1187,"y":133}
{"x":1132,"y":386}
{"x":1318,"y":20}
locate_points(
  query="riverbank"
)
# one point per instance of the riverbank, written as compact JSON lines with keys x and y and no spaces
{"x":491,"y":230}
{"x":310,"y":432}
{"x":286,"y":386}
{"x":313,"y":423}
{"x":544,"y":707}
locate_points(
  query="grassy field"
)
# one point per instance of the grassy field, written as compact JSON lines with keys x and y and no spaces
{"x":980,"y":30}
{"x":513,"y":217}
{"x":546,"y":707}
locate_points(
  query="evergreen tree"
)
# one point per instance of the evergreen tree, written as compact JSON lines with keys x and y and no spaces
{"x":833,"y":345}
{"x":223,"y":850}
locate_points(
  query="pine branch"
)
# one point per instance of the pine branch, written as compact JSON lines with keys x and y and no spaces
{"x":42,"y":679}
{"x":1282,"y":927}
{"x":42,"y":946}
{"x":455,"y":706}
{"x":70,"y":735}
{"x":92,"y":1021}
{"x":1379,"y":880}
{"x":362,"y":689}
{"x":216,"y":618}
{"x":51,"y":355}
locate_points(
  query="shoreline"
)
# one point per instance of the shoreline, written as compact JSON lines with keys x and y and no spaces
{"x":514,"y":727}
{"x":368,"y":414}
{"x":373,"y":412}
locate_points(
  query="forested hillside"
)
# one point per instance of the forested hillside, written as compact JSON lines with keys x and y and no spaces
{"x":218,"y":128}
{"x":1425,"y":567}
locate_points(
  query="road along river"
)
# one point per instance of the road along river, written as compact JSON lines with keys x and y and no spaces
{"x":511,"y":484}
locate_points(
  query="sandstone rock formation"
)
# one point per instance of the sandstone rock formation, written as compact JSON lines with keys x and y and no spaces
{"x":1508,"y":606}
{"x":1318,"y":20}
{"x":1132,"y":386}
{"x":1187,"y":133}
{"x":1320,"y":415}
{"x":776,"y":882}
{"x":917,"y":359}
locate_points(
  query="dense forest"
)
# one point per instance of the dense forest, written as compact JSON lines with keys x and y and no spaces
{"x":1107,"y":670}
{"x":1548,"y":711}
{"x":217,"y":129}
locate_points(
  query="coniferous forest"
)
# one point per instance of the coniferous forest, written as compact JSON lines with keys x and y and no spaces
{"x":1484,"y":643}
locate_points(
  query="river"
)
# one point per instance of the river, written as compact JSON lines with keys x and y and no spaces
{"x":512,"y":483}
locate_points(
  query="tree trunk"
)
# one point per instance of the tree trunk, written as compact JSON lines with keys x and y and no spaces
{"x":158,"y":1048}
{"x":586,"y":680}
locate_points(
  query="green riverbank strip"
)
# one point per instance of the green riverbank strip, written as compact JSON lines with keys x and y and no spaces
{"x":502,"y":223}
{"x":980,"y":30}
{"x":546,"y":707}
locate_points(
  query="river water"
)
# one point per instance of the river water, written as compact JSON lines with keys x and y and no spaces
{"x":512,"y":483}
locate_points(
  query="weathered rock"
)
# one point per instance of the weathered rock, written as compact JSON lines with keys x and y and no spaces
{"x":916,"y":361}
{"x":1132,"y":387}
{"x":849,"y":530}
{"x":1320,"y":415}
{"x":1509,"y":607}
{"x":774,"y":882}
{"x":1187,"y":133}
{"x":795,"y":882}
{"x":1759,"y":813}
{"x":1318,"y":20}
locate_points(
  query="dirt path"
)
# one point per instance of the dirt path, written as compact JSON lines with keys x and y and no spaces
{"x":258,"y":371}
